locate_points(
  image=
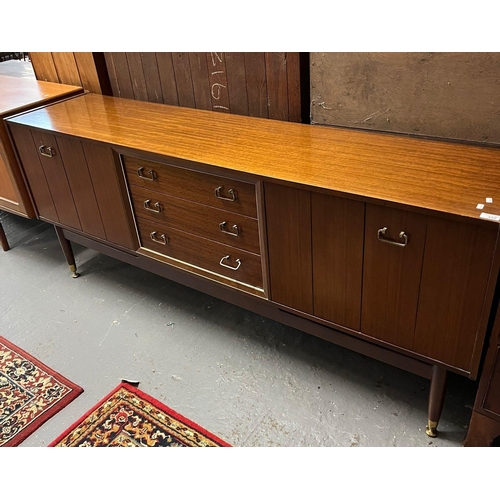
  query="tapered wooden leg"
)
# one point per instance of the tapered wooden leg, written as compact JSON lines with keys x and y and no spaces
{"x":68,"y":251}
{"x":3,"y":239}
{"x":436,"y":399}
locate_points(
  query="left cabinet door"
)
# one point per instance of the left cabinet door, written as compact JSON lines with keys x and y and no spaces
{"x":76,"y":184}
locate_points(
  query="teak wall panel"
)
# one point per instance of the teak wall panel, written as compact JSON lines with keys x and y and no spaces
{"x":83,"y":69}
{"x":451,"y":95}
{"x":288,"y":219}
{"x":266,"y":85}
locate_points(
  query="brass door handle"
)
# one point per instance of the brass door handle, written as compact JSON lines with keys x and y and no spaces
{"x":46,"y":151}
{"x":233,"y":194}
{"x":235,"y":229}
{"x":152,"y":174}
{"x":161,"y":239}
{"x":156,"y":210}
{"x":230,"y":267}
{"x":402,"y":236}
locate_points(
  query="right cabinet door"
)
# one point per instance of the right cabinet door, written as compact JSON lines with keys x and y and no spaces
{"x":424,"y":282}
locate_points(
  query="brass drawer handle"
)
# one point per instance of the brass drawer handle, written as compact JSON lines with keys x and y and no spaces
{"x":402,"y":236}
{"x":152,"y":174}
{"x":230,"y":267}
{"x":235,"y":229}
{"x":161,"y":239}
{"x":47,"y":151}
{"x":231,"y":192}
{"x":156,"y":210}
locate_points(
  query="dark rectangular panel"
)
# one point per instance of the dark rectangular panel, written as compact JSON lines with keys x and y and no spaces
{"x":30,"y":160}
{"x":152,"y":77}
{"x":236,"y":82}
{"x":201,"y":84}
{"x":111,"y":196}
{"x":337,"y":242}
{"x":391,"y":274}
{"x":456,"y":267}
{"x":56,"y":179}
{"x":277,"y":85}
{"x":167,"y":78}
{"x":81,"y":186}
{"x":288,"y":221}
{"x":183,"y":79}
{"x":216,"y":63}
{"x":255,"y":69}
{"x":137,"y":76}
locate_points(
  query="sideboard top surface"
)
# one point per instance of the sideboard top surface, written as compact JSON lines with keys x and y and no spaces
{"x":430,"y":174}
{"x":16,"y":93}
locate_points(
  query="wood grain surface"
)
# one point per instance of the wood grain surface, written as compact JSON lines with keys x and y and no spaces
{"x":444,"y":177}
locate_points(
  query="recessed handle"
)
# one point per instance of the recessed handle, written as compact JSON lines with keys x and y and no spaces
{"x":227,"y":257}
{"x":235,"y":229}
{"x":47,"y":151}
{"x":159,"y":239}
{"x":158,"y":207}
{"x":402,"y":236}
{"x":232,"y":194}
{"x":151,"y":173}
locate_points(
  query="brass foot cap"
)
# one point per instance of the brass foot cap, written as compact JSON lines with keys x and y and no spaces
{"x":431,"y":429}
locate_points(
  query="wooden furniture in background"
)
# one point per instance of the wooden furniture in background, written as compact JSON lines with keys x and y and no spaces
{"x":266,"y":85}
{"x":450,"y":95}
{"x":18,"y":95}
{"x":484,"y":426}
{"x":372,"y":241}
{"x":83,"y":69}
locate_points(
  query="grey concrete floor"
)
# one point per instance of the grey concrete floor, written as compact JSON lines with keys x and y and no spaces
{"x":250,"y":380}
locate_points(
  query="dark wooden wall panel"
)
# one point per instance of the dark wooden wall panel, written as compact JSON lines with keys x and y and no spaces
{"x":266,"y":85}
{"x":449,"y":95}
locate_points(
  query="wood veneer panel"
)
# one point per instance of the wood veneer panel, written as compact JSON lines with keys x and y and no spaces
{"x":73,"y":158}
{"x":455,"y":274}
{"x":113,"y":77}
{"x":183,"y":79}
{"x":492,"y":399}
{"x":391,"y":275}
{"x":337,"y":242}
{"x":151,"y":77}
{"x":217,"y":75}
{"x":7,"y":191}
{"x":201,"y":83}
{"x":277,"y":85}
{"x":202,"y":253}
{"x":167,"y":78}
{"x":57,"y":180}
{"x":137,"y":76}
{"x":236,"y":82}
{"x":255,"y":66}
{"x":124,"y":83}
{"x":423,"y":174}
{"x":288,"y":218}
{"x":34,"y":172}
{"x":110,"y":194}
{"x":44,"y":66}
{"x":66,"y":68}
{"x":87,"y":70}
{"x":294,"y":90}
{"x":198,"y":219}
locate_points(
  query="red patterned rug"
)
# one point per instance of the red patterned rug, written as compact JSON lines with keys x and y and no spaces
{"x":30,"y":393}
{"x":128,"y":417}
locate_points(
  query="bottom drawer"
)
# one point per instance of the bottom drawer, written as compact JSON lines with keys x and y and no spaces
{"x":215,"y":257}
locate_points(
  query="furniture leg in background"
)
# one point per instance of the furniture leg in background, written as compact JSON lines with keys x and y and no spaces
{"x":68,"y":251}
{"x":436,"y":399}
{"x":3,"y":239}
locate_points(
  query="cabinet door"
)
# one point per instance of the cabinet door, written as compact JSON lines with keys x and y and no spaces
{"x":391,"y":276}
{"x":337,"y":243}
{"x":288,"y":221}
{"x":455,"y":273}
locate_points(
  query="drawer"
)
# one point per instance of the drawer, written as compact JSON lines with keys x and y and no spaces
{"x":215,"y":191}
{"x":215,"y":257}
{"x":219,"y":225}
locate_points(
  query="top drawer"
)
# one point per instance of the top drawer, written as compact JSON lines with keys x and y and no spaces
{"x":219,"y":192}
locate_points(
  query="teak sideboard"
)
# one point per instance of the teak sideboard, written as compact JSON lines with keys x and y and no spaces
{"x":383,"y":244}
{"x":17,"y":95}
